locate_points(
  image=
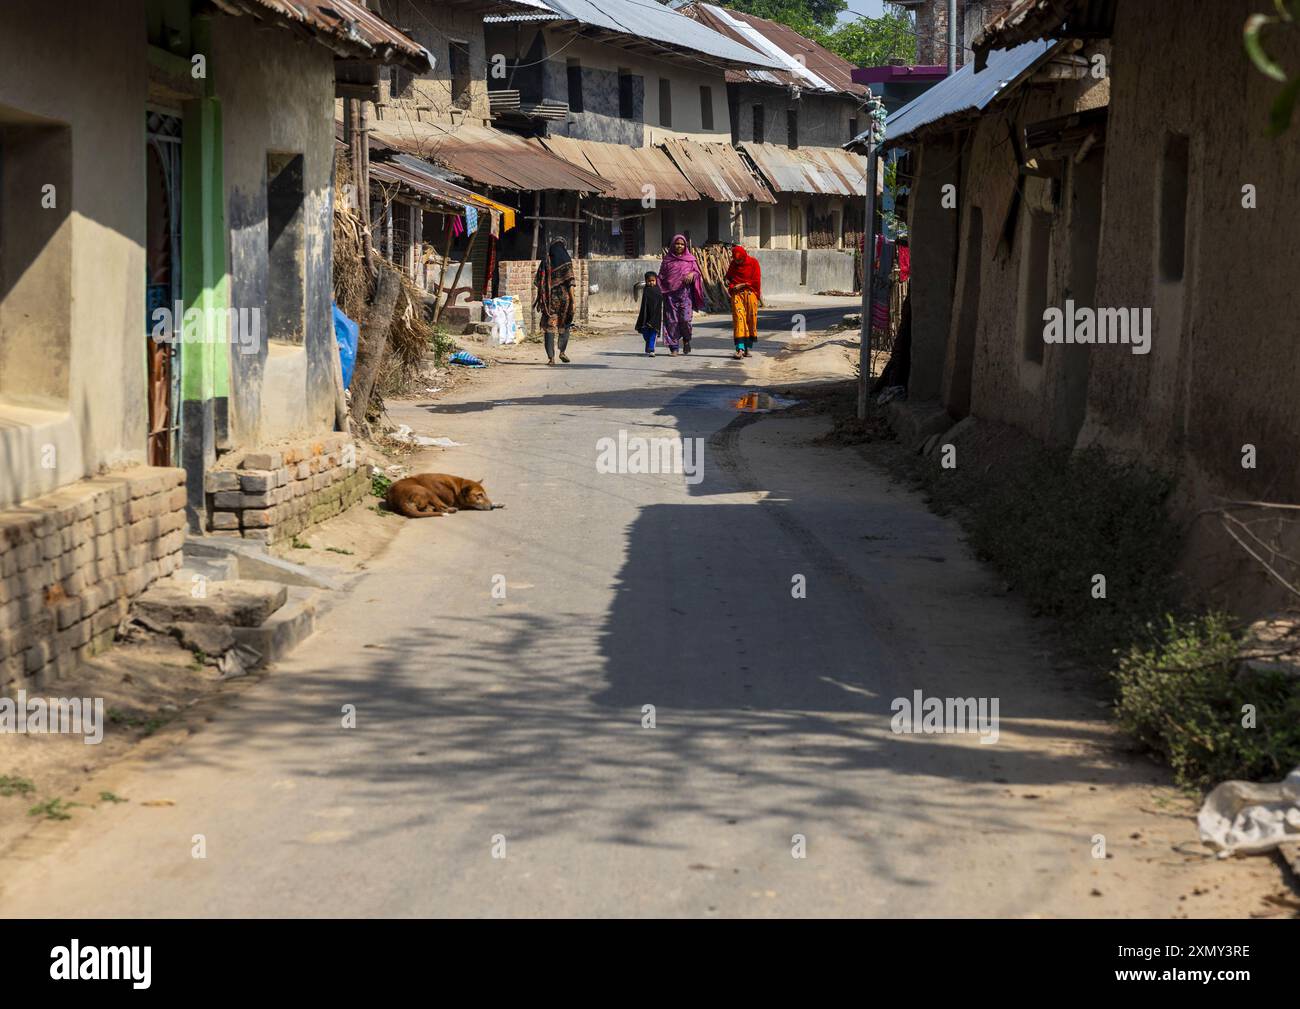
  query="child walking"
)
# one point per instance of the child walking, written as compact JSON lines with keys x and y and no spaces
{"x":651,"y":319}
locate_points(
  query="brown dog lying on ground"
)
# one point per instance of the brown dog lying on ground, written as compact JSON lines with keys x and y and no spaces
{"x":426,"y":494}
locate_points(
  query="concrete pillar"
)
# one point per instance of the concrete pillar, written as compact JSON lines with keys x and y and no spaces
{"x":205,"y":287}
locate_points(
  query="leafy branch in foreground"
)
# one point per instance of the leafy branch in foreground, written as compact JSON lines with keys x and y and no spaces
{"x":1288,"y":19}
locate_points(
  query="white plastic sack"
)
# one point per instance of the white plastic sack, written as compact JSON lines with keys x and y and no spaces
{"x":405,"y":434}
{"x":1243,"y":818}
{"x":501,"y":313}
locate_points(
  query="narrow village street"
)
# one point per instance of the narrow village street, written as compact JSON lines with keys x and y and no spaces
{"x":499,"y":764}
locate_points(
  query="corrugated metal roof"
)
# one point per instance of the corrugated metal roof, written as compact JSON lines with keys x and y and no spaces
{"x":826,"y":170}
{"x":967,"y":91}
{"x":437,"y":190}
{"x":651,"y":21}
{"x":345,"y":25}
{"x":628,"y":169}
{"x":520,"y":10}
{"x":806,"y":64}
{"x":428,"y":180}
{"x":487,"y":156}
{"x":496,"y":19}
{"x":717,"y":171}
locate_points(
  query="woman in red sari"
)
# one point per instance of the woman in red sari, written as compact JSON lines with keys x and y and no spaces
{"x":745,"y":285}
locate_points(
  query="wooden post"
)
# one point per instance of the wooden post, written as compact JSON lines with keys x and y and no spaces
{"x":577,"y":223}
{"x":442,"y":267}
{"x":537,"y":220}
{"x":374,"y":341}
{"x":451,"y":292}
{"x":537,"y":228}
{"x":350,"y":136}
{"x":388,"y":230}
{"x":362,"y":167}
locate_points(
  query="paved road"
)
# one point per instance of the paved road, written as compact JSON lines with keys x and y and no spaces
{"x":515,"y":726}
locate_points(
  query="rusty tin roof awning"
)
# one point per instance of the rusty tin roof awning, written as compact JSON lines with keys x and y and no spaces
{"x":345,"y":26}
{"x":486,"y":156}
{"x":414,"y":178}
{"x":1030,"y":20}
{"x":827,"y":171}
{"x":718,"y":172}
{"x":628,"y":169}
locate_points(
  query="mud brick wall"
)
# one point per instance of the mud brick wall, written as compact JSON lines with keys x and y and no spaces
{"x":275,"y":494}
{"x":72,"y":561}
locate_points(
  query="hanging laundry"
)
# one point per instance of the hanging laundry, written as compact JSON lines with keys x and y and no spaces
{"x":471,"y":220}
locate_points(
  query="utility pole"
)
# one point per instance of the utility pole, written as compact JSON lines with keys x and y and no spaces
{"x":875,"y":141}
{"x":868,"y":276}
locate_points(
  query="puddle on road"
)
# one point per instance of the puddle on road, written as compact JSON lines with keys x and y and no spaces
{"x":761,"y":402}
{"x":729,"y":397}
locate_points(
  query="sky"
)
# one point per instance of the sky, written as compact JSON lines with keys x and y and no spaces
{"x":872,"y":8}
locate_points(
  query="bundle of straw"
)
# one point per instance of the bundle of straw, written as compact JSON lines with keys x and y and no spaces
{"x":410,"y":336}
{"x":714,"y":258}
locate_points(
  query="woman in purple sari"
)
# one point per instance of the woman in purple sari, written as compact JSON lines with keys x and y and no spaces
{"x":683,"y":292}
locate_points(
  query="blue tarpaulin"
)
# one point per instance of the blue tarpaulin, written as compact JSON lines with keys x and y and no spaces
{"x":346,"y":333}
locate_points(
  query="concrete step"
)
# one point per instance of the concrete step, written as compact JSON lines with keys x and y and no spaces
{"x":284,"y":630}
{"x":236,"y":603}
{"x":212,"y":569}
{"x":251,"y":560}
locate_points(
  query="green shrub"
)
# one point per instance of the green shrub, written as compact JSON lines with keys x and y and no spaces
{"x":379,"y":484}
{"x":1049,"y":520}
{"x":441,"y":343}
{"x":1183,"y":696}
{"x":1054,"y":520}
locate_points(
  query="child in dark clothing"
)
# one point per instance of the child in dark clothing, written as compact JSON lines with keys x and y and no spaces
{"x":651,"y":319}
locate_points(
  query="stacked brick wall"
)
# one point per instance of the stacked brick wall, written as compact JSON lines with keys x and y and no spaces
{"x":516,"y":279}
{"x":72,"y":561}
{"x":274,"y":495}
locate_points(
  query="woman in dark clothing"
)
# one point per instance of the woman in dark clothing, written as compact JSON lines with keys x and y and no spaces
{"x":651,"y":319}
{"x":554,"y":299}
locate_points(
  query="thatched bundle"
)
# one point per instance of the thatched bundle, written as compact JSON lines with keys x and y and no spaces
{"x":410,"y":337}
{"x":409,"y":340}
{"x":714,"y":258}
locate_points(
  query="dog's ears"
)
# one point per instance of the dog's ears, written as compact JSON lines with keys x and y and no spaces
{"x":479,"y":481}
